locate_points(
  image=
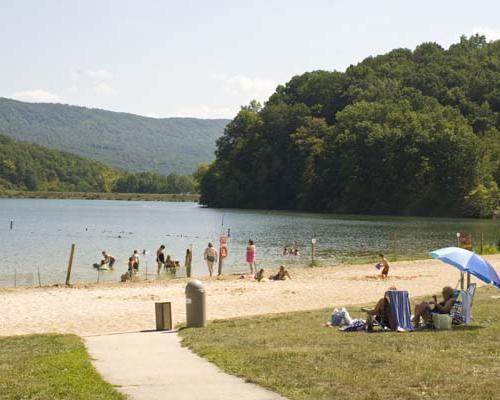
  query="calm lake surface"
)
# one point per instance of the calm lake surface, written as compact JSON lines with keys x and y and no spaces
{"x":44,"y":230}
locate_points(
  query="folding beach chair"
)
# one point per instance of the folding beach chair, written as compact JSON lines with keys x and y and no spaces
{"x":397,"y":316}
{"x":400,"y":315}
{"x":467,"y":299}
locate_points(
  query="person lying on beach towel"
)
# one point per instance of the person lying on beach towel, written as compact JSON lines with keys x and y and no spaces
{"x":281,"y":275}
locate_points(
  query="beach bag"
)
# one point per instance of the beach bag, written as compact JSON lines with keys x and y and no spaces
{"x":441,"y":322}
{"x":457,"y":313}
{"x":340,"y":317}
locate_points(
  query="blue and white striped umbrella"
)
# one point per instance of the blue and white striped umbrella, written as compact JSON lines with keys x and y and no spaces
{"x":467,"y":261}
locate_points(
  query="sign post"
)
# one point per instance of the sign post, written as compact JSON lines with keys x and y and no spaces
{"x":313,"y":249}
{"x":465,"y":242}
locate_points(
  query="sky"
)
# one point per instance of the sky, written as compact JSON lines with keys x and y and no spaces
{"x":207,"y":58}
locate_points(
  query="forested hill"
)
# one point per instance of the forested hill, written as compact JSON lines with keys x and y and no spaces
{"x":27,"y":166}
{"x":408,"y":132}
{"x":126,"y":141}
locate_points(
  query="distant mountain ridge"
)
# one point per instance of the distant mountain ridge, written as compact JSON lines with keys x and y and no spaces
{"x":131,"y":142}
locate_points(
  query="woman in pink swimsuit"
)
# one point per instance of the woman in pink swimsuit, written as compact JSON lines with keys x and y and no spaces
{"x":251,"y":256}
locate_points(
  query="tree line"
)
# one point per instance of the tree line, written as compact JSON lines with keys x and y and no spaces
{"x":408,"y":132}
{"x":27,"y":166}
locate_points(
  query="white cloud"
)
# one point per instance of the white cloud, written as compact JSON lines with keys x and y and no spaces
{"x":98,"y":74}
{"x":490,"y":33}
{"x":152,"y":115}
{"x":205,"y":111}
{"x":250,"y":88}
{"x":104,"y":89}
{"x":72,"y":89}
{"x":37,"y":96}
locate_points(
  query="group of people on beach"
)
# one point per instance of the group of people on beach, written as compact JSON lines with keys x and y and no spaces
{"x":167,"y":263}
{"x":211,"y":257}
{"x":423,"y":312}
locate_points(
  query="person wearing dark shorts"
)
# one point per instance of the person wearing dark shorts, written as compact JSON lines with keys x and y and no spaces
{"x":160,"y":257}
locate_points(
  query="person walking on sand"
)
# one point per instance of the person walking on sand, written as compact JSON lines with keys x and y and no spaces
{"x":385,"y":266}
{"x":160,"y":257}
{"x":251,"y":256}
{"x":210,"y":256}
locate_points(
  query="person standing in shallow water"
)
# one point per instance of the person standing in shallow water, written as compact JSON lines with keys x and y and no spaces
{"x":160,"y":257}
{"x":251,"y":256}
{"x":211,"y":256}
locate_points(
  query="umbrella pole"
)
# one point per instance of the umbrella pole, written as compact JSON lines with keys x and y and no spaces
{"x":462,"y":280}
{"x":468,"y":280}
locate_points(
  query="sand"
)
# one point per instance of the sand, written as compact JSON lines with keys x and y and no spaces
{"x":129,"y":307}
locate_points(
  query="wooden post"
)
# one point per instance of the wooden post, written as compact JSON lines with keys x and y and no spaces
{"x":70,"y":264}
{"x":219,"y":271}
{"x":163,"y":312}
{"x":395,"y":246}
{"x":188,"y":261}
{"x":11,"y":224}
{"x":39,"y":280}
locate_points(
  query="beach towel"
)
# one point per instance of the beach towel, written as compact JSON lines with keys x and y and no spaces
{"x":461,"y":312}
{"x":400,"y":310}
{"x":356,"y":325}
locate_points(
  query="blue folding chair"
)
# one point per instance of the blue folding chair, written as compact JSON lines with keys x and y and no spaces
{"x":400,"y":314}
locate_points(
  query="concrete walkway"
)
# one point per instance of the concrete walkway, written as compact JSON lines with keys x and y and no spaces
{"x":154,"y":366}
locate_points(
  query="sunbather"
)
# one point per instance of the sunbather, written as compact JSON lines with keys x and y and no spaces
{"x":425,"y":310}
{"x":259,"y":276}
{"x":380,"y":313}
{"x":281,"y":275}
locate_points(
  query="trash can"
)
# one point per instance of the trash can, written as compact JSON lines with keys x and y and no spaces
{"x":195,"y":304}
{"x":163,"y":313}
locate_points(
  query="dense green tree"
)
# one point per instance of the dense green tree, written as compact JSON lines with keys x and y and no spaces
{"x":407,"y":132}
{"x":26,"y":166}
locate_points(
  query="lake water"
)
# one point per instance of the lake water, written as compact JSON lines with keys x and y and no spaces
{"x":43,"y":231}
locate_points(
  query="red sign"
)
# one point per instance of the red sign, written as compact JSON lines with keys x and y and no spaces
{"x":223,"y":250}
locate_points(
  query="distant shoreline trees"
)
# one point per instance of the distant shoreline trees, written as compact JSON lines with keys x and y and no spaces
{"x":30,"y":167}
{"x":408,"y":133}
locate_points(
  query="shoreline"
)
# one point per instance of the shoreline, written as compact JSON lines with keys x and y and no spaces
{"x":174,"y":197}
{"x":116,"y":308}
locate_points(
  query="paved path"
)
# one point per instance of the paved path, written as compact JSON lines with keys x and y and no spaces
{"x":154,"y":366}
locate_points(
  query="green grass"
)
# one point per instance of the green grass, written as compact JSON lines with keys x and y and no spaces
{"x":49,"y":367}
{"x":293,"y":355}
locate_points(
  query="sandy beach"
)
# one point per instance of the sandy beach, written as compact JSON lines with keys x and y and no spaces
{"x":129,"y":307}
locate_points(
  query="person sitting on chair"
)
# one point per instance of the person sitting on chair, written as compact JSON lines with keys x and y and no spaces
{"x":425,"y":310}
{"x":381,"y":313}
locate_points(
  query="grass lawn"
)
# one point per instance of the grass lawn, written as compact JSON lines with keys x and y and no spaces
{"x":293,"y":355}
{"x":49,"y":367}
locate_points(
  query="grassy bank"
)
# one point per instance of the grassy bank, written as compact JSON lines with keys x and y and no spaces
{"x":293,"y":355}
{"x":99,"y":196}
{"x":49,"y":367}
